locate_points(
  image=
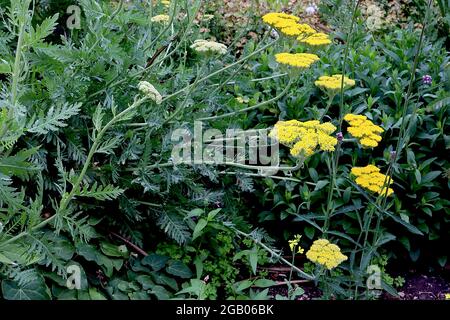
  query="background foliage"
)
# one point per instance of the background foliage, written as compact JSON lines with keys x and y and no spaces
{"x":60,"y":87}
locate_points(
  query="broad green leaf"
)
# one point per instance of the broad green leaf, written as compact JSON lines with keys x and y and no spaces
{"x":202,"y":223}
{"x":155,"y":261}
{"x":33,"y":290}
{"x":179,"y":269}
{"x":264,"y":283}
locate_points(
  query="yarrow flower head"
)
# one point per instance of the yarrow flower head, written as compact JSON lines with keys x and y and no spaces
{"x":297,"y":60}
{"x":294,"y":243}
{"x":426,"y":79}
{"x":332,"y":84}
{"x":287,"y":24}
{"x":209,"y":47}
{"x":315,"y":40}
{"x":150,"y":91}
{"x":364,"y":130}
{"x":326,"y":254}
{"x":161,"y":18}
{"x":370,"y":178}
{"x":304,"y":138}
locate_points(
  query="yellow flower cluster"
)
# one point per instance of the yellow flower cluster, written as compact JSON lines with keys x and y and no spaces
{"x":332,"y":84}
{"x":298,"y":60}
{"x":305,"y":137}
{"x":364,"y":130}
{"x":325,"y":253}
{"x":205,"y":46}
{"x":315,"y":40}
{"x":287,"y":24}
{"x":161,"y":18}
{"x":370,"y":178}
{"x":165,"y":3}
{"x":295,"y":243}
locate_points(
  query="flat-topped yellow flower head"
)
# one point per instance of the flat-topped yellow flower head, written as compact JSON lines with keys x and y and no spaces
{"x":367,"y":133}
{"x":315,"y":40}
{"x":371,"y":179}
{"x":305,"y":138}
{"x":287,"y":24}
{"x":326,"y":254}
{"x":273,"y":18}
{"x":297,"y":60}
{"x":332,"y":84}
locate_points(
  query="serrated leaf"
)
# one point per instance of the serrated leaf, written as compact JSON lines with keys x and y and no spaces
{"x":54,"y":119}
{"x":101,"y":193}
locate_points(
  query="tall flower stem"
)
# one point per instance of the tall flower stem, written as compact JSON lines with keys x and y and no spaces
{"x":403,"y":134}
{"x":333,"y":164}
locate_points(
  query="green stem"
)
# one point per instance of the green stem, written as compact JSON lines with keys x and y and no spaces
{"x":275,"y":254}
{"x":344,"y":64}
{"x":259,"y":105}
{"x":223,"y":69}
{"x":403,"y":127}
{"x":68,"y":197}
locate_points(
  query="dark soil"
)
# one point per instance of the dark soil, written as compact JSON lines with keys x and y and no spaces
{"x":418,"y":286}
{"x":423,"y":287}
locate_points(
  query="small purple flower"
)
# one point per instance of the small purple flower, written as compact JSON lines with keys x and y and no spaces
{"x":426,"y":79}
{"x":339,"y":136}
{"x":393,"y":155}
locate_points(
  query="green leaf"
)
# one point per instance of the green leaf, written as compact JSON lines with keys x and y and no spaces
{"x":6,"y":260}
{"x":213,"y":214}
{"x":244,"y":284}
{"x":155,"y":261}
{"x":5,"y":68}
{"x":409,"y":226}
{"x":262,"y":295}
{"x":110,"y":249}
{"x":96,"y":295}
{"x":430,"y":176}
{"x":179,"y":269}
{"x":145,"y":281}
{"x":33,"y":290}
{"x":100,"y":193}
{"x":54,"y":120}
{"x":202,"y":223}
{"x":165,"y":280}
{"x":161,"y":293}
{"x":320,"y":185}
{"x":442,"y":261}
{"x":253,"y":259}
{"x":264,"y":283}
{"x":309,"y":232}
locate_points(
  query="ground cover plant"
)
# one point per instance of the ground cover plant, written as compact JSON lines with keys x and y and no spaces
{"x":129,"y":130}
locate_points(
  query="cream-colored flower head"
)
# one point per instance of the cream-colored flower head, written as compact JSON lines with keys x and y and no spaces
{"x":150,"y":91}
{"x":161,"y":18}
{"x":207,"y":46}
{"x":165,"y":3}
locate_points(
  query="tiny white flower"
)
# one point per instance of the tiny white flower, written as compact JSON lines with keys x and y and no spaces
{"x":311,"y":9}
